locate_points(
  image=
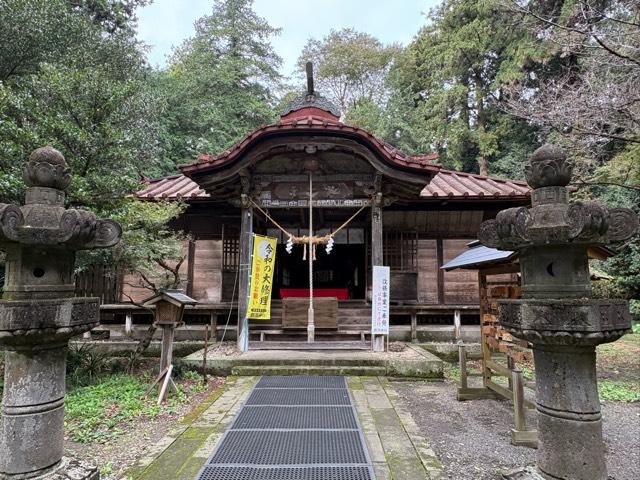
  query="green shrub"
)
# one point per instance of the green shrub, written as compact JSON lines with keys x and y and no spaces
{"x":85,"y":363}
{"x":619,"y":391}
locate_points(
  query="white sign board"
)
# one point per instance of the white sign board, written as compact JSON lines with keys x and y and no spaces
{"x":380,"y":310}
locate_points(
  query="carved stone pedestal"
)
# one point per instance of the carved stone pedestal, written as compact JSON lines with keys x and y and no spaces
{"x":557,"y":316}
{"x":66,"y":469}
{"x":38,"y":316}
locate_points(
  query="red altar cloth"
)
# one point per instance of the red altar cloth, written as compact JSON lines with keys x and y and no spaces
{"x":339,"y":293}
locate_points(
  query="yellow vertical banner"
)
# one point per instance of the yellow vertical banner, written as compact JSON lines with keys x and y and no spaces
{"x":262,"y":267}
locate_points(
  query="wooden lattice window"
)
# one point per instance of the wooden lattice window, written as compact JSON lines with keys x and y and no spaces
{"x":401,"y":250}
{"x":230,"y":251}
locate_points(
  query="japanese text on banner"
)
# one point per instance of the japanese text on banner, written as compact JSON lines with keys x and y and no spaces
{"x":262,"y":267}
{"x":380,"y":310}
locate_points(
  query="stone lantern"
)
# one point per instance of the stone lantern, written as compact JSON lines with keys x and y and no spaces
{"x":556,"y":314}
{"x":38,"y":316}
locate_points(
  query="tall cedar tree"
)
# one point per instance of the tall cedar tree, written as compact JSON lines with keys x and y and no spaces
{"x":446,"y":83}
{"x":218,"y":84}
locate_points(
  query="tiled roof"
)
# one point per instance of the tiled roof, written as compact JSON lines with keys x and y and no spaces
{"x":447,"y":184}
{"x":313,"y":124}
{"x":173,"y":187}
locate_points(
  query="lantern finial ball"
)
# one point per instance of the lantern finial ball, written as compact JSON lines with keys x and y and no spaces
{"x":47,"y":167}
{"x":548,"y":167}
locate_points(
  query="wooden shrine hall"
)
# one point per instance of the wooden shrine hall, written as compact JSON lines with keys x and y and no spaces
{"x":379,"y":206}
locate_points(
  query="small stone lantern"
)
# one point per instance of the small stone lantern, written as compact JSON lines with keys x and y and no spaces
{"x":38,"y":316}
{"x":556,"y":314}
{"x":169,"y":309}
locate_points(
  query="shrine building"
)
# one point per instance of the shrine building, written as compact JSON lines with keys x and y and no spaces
{"x":379,"y":205}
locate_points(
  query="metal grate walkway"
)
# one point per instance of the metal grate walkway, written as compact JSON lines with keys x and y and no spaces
{"x":293,"y":428}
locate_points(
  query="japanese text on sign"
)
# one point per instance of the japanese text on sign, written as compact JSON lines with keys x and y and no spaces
{"x":262,"y":267}
{"x":381,"y":292}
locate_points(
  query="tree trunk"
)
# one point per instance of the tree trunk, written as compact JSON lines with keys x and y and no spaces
{"x":483,"y":163}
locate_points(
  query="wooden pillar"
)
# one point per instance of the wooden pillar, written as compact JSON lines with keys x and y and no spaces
{"x":166,"y":356}
{"x":486,"y":353}
{"x":244,"y":267}
{"x":440,"y":272}
{"x":377,"y":256}
{"x":462,"y":362}
{"x":191,"y":263}
{"x":414,"y":327}
{"x":213,"y":321}
{"x":128,"y":324}
{"x":456,"y":325}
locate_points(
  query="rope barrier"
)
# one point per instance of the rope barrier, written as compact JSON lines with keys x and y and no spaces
{"x":305,"y":239}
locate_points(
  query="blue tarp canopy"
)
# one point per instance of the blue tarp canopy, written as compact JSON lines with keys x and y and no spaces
{"x":478,"y":255}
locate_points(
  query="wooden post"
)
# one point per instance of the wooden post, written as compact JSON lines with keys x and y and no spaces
{"x":165,"y":384}
{"x":166,"y":356}
{"x":244,"y":267}
{"x":518,"y":397}
{"x":128,"y":324}
{"x":377,"y":256}
{"x":191,"y":263}
{"x":213,"y":321}
{"x":511,"y":365}
{"x":440,"y":272}
{"x":311,"y":326}
{"x":462,"y":362}
{"x":414,"y":327}
{"x":204,"y":354}
{"x":520,"y":435}
{"x":486,"y":353}
{"x":456,"y":324}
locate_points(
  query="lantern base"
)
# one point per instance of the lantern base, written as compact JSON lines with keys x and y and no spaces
{"x":67,"y":469}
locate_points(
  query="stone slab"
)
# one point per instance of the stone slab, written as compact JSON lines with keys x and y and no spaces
{"x":413,"y":362}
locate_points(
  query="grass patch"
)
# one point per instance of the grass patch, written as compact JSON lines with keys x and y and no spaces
{"x":452,"y":370}
{"x":99,"y":411}
{"x":619,"y":391}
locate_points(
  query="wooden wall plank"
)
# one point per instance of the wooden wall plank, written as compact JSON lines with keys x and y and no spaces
{"x":460,"y":286}
{"x":207,"y":278}
{"x":427,"y":271}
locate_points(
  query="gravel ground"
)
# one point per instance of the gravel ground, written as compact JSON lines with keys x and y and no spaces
{"x":472,"y":439}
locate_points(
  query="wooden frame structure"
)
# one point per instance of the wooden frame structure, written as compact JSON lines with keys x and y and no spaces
{"x":498,"y":278}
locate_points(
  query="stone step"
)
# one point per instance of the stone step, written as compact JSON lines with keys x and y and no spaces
{"x":305,"y":346}
{"x":305,"y":362}
{"x":251,"y":370}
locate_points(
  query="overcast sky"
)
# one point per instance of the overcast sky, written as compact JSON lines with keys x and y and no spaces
{"x":165,"y":23}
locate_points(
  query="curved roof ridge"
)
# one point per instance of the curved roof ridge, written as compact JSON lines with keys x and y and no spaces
{"x":314,"y":123}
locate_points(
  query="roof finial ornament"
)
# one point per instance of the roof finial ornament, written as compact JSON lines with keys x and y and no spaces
{"x":310,"y":89}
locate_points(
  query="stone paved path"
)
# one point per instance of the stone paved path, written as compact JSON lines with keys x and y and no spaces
{"x":395,"y":447}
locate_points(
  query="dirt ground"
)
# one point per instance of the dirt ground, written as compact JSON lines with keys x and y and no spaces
{"x":472,"y":439}
{"x":117,"y":455}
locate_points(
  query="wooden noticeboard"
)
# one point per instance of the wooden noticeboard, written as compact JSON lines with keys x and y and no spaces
{"x":295,"y":311}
